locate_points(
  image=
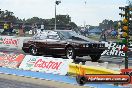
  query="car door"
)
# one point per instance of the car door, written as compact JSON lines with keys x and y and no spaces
{"x":55,"y":46}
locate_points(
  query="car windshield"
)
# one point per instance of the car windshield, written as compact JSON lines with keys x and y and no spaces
{"x":69,"y":34}
{"x":73,"y":35}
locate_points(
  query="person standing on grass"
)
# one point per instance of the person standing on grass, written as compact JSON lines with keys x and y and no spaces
{"x":42,"y":26}
{"x":21,"y":29}
{"x":11,"y":28}
{"x":103,"y":37}
{"x":6,"y":28}
{"x":35,"y":28}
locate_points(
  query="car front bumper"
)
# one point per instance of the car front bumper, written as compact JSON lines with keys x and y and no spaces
{"x":88,"y":51}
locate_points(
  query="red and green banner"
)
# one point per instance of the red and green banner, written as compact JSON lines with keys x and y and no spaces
{"x":45,"y":64}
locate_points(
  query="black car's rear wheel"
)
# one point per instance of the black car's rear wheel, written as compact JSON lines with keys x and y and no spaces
{"x":70,"y":53}
{"x":95,"y":58}
{"x":33,"y":50}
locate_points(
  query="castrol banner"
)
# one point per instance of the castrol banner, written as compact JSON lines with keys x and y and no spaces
{"x":12,"y":41}
{"x":45,"y":64}
{"x":11,"y":60}
{"x":9,"y":41}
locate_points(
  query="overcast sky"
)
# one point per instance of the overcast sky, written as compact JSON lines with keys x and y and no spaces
{"x":91,"y":13}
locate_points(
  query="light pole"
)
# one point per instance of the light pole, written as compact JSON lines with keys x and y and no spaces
{"x":56,"y":3}
{"x":85,"y":2}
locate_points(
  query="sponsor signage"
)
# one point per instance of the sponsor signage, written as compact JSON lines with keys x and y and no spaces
{"x":113,"y":49}
{"x":107,"y":78}
{"x":45,"y":64}
{"x":10,"y":60}
{"x":125,"y":77}
{"x":6,"y":41}
{"x":12,"y":41}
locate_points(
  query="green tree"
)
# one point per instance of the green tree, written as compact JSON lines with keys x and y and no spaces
{"x":129,"y":3}
{"x":73,"y":25}
{"x":106,"y":24}
{"x":9,"y":16}
{"x":34,"y":20}
{"x":63,"y":20}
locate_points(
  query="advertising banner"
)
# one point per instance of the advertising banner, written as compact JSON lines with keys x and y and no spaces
{"x":9,"y":41}
{"x":104,"y":78}
{"x":45,"y":64}
{"x":12,"y":42}
{"x":113,"y":49}
{"x":10,"y":60}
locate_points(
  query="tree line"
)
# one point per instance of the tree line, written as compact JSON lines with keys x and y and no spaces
{"x":63,"y":21}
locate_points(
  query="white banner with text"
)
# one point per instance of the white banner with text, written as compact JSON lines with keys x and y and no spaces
{"x":12,"y":41}
{"x":113,"y":49}
{"x":45,"y":64}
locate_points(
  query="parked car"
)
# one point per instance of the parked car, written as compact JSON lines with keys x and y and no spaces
{"x":63,"y":43}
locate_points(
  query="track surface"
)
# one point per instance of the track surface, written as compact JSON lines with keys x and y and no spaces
{"x":10,"y":81}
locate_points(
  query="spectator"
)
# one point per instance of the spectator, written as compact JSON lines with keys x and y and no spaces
{"x":103,"y":37}
{"x":6,"y":28}
{"x":11,"y":28}
{"x":42,"y":26}
{"x":34,"y":28}
{"x":21,"y":29}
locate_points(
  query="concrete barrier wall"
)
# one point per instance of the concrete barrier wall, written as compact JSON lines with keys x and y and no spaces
{"x":49,"y":65}
{"x":11,"y":60}
{"x":45,"y":64}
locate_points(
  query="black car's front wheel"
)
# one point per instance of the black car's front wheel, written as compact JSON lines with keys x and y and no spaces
{"x":95,"y":58}
{"x":33,"y":50}
{"x":70,"y":53}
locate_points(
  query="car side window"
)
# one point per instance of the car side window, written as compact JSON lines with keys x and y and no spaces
{"x":53,"y":35}
{"x":43,"y":36}
{"x":61,"y":36}
{"x":40,"y":36}
{"x":36,"y":36}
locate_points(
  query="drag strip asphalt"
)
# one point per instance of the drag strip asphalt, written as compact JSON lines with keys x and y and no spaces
{"x":53,"y":77}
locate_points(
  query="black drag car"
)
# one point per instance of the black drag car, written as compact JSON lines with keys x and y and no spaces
{"x":63,"y":43}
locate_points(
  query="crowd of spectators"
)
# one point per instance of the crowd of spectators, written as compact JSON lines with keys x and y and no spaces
{"x":8,"y":28}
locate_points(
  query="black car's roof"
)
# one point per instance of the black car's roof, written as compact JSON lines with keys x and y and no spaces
{"x":62,"y":30}
{"x":55,"y":30}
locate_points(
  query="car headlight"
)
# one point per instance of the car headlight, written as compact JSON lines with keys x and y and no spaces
{"x":101,"y":45}
{"x":83,"y":45}
{"x":87,"y":45}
